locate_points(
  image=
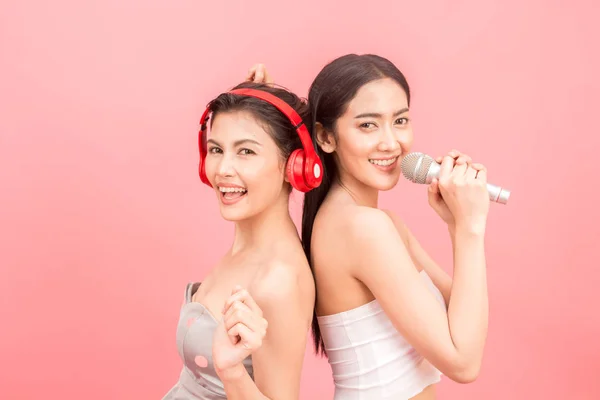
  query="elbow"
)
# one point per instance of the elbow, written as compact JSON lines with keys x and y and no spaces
{"x":467,"y":373}
{"x":466,"y":376}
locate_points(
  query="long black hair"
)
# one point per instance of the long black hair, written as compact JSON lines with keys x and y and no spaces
{"x":331,"y":91}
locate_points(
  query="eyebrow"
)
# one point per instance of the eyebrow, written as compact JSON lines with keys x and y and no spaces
{"x":236,"y":143}
{"x":377,"y":115}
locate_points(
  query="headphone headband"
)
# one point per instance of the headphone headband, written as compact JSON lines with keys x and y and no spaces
{"x":285,"y":108}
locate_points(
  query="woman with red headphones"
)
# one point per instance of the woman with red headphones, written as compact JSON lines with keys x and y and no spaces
{"x":389,"y":319}
{"x":242,"y":331}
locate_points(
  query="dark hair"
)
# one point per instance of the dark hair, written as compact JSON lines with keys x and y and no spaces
{"x":272,"y":120}
{"x":331,"y":91}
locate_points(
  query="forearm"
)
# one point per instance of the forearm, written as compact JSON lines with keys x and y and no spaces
{"x":239,"y":385}
{"x":468,"y":306}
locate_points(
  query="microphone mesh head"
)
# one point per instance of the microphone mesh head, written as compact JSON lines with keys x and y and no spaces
{"x":415,"y":166}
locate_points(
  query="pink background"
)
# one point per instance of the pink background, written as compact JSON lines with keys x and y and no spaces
{"x":103,"y":218}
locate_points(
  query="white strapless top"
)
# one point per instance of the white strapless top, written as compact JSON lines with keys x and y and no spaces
{"x":370,"y":359}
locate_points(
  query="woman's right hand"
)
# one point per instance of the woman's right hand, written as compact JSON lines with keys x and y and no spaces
{"x":240,"y":332}
{"x":462,"y":186}
{"x":258,"y":74}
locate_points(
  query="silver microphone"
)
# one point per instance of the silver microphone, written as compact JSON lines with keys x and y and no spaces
{"x":421,"y":168}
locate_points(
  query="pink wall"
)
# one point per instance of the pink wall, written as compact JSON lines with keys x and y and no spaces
{"x":103,"y":218}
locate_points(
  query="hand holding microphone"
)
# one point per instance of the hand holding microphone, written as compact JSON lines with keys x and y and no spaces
{"x":458,"y":192}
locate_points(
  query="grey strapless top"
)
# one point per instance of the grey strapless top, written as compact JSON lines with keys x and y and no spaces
{"x":195,"y":330}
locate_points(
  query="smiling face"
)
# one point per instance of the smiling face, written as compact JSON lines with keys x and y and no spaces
{"x":372,"y":135}
{"x":244,"y":166}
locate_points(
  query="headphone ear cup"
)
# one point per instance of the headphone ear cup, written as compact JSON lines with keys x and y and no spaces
{"x":202,"y":172}
{"x":295,"y":171}
{"x":202,"y":150}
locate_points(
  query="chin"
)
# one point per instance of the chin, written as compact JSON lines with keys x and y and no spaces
{"x":385,"y":184}
{"x":235,"y":212}
{"x":238,"y":212}
{"x":233,"y":216}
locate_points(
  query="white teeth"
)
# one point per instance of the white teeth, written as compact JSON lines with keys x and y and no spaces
{"x":383,"y":163}
{"x":231,"y":190}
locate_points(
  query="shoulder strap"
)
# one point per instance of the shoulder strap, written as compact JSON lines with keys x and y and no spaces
{"x":190,"y":289}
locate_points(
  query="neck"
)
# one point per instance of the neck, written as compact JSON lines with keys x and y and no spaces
{"x":362,"y":194}
{"x":263,"y":229}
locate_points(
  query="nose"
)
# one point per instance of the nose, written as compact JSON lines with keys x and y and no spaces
{"x":226,"y":167}
{"x":389,"y":140}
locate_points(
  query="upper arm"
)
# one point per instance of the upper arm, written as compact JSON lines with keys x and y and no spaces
{"x":287,"y":304}
{"x":385,"y":266}
{"x":440,"y":278}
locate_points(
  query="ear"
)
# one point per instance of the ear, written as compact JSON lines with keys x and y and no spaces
{"x":325,"y":139}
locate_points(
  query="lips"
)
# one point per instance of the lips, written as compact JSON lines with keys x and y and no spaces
{"x":383,"y":162}
{"x":231,"y":194}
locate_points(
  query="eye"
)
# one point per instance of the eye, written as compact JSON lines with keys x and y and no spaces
{"x":214,"y":150}
{"x":402,"y":121}
{"x":367,"y":125}
{"x":246,"y":152}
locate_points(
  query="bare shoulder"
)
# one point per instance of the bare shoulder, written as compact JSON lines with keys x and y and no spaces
{"x":344,"y":234}
{"x":371,"y":234}
{"x":285,"y":280}
{"x":395,"y":218}
{"x":366,"y":223}
{"x":401,"y":227}
{"x":351,"y":219}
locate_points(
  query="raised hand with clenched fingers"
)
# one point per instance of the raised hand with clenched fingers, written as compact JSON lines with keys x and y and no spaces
{"x":240,"y":332}
{"x":459,"y":195}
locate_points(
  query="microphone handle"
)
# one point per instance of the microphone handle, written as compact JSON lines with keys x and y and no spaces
{"x":497,"y":194}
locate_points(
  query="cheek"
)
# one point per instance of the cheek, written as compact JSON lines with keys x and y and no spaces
{"x":253,"y":173}
{"x":210,"y":167}
{"x":357,"y":146}
{"x":264,"y":176}
{"x":406,"y":137}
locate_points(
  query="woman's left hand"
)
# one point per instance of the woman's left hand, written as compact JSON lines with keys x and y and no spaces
{"x":436,"y":201}
{"x":240,"y":332}
{"x":259,"y":74}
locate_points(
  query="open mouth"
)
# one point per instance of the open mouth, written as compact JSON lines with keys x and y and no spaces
{"x":386,"y":164}
{"x":231,"y":195}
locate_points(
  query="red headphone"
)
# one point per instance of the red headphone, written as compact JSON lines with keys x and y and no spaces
{"x":303,"y":167}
